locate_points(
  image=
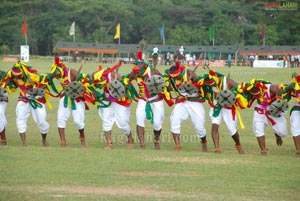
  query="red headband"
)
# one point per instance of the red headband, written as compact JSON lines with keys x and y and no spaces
{"x":136,"y":69}
{"x":175,"y":73}
{"x":16,"y":71}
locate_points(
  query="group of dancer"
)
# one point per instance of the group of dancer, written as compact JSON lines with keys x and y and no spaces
{"x":179,"y":87}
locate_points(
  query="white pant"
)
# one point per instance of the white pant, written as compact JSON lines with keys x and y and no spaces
{"x":64,"y":114}
{"x":158,"y":110}
{"x":260,"y":122}
{"x":3,"y":120}
{"x":115,"y":113}
{"x":39,"y":115}
{"x":226,"y":115}
{"x":295,"y":123}
{"x":185,"y":110}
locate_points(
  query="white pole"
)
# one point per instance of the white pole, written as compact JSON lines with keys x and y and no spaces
{"x":26,"y":38}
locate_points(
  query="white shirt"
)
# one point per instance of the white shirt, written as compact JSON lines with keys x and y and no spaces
{"x":155,"y":50}
{"x":181,"y":49}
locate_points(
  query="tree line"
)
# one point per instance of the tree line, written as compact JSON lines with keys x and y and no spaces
{"x":184,"y":22}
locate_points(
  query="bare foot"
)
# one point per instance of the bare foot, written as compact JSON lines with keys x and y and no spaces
{"x":177,"y":148}
{"x":217,"y":151}
{"x":156,"y":144}
{"x":264,"y":152}
{"x":63,"y":144}
{"x":278,"y":140}
{"x":108,"y":146}
{"x":3,"y":143}
{"x":130,"y":143}
{"x":204,"y":147}
{"x":83,"y":144}
{"x":239,"y":149}
{"x":45,"y":143}
{"x":24,"y":145}
{"x":142,"y":146}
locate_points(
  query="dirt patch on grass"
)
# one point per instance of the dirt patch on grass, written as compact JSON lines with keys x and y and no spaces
{"x":99,"y":190}
{"x":191,"y":160}
{"x":84,"y":191}
{"x":156,"y":174}
{"x":198,"y":160}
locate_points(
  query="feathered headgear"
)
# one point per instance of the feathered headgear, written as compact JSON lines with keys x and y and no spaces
{"x":212,"y":78}
{"x":21,"y":68}
{"x":176,"y":70}
{"x":2,"y":74}
{"x":58,"y":67}
{"x":256,"y":87}
{"x":140,"y":66}
{"x":16,"y":71}
{"x":113,"y":68}
{"x":296,"y":81}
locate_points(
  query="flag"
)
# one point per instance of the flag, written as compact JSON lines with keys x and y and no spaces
{"x":24,"y":28}
{"x":211,"y":33}
{"x":118,"y":34}
{"x":263,"y":32}
{"x":162,"y":32}
{"x":72,"y":29}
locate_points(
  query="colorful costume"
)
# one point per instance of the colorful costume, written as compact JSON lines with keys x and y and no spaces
{"x":26,"y":78}
{"x":293,"y":91}
{"x":149,"y":106}
{"x":113,"y":110}
{"x":3,"y":104}
{"x":67,"y":106}
{"x":187,"y":105}
{"x":260,"y":90}
{"x":229,"y":114}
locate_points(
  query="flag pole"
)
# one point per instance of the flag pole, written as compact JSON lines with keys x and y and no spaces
{"x":164,"y":39}
{"x":163,"y":34}
{"x":24,"y":30}
{"x":263,"y":33}
{"x":72,"y":31}
{"x":74,"y":34}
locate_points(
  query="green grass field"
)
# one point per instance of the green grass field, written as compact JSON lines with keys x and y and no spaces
{"x":73,"y":173}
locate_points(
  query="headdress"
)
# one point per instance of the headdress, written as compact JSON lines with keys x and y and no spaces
{"x":16,"y":70}
{"x":139,"y":65}
{"x":256,"y":87}
{"x":21,"y":68}
{"x":296,"y":81}
{"x":176,"y":70}
{"x":58,"y":67}
{"x":212,"y":78}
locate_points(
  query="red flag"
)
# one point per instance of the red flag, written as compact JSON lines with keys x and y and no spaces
{"x":263,"y":32}
{"x":24,"y":28}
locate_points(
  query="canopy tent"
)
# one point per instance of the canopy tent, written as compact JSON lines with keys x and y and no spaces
{"x":215,"y":52}
{"x":87,"y":50}
{"x":269,"y":50}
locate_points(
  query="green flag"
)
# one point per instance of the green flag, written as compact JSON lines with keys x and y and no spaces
{"x":211,"y":33}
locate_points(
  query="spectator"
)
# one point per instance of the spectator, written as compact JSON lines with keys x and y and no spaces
{"x":229,"y":60}
{"x":155,"y":56}
{"x":251,"y":59}
{"x":168,"y":58}
{"x":292,"y":61}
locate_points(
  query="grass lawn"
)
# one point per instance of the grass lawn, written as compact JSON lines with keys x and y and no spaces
{"x":73,"y":173}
